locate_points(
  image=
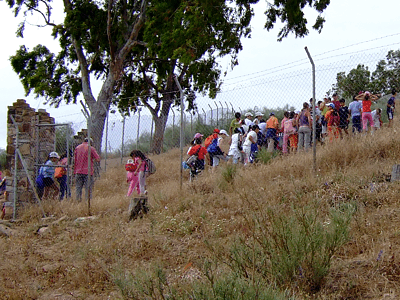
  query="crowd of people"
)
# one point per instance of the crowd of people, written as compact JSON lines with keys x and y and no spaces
{"x":291,"y":134}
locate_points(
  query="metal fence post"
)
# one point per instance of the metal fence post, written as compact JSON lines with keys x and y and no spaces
{"x":138,"y":129}
{"x":211,"y":117}
{"x":105,"y":144}
{"x":122,"y":138}
{"x":313,"y":112}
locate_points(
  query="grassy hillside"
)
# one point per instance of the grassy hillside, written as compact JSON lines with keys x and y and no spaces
{"x":274,"y":231}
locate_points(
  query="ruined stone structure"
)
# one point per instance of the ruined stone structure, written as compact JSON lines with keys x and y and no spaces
{"x":36,"y":139}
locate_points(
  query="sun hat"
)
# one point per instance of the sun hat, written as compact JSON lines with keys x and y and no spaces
{"x":223,"y":132}
{"x":259,"y":114}
{"x":197,"y":135}
{"x":248,"y":114}
{"x":54,"y":155}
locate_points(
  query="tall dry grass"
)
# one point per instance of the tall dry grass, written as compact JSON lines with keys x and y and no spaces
{"x":99,"y":258}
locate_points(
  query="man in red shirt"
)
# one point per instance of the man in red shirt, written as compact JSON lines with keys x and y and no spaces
{"x":81,"y":155}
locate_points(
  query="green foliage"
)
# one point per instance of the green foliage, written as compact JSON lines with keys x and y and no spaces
{"x":383,"y":79}
{"x":3,"y":159}
{"x":265,"y":157}
{"x":153,"y":284}
{"x":229,"y":173}
{"x":64,"y":135}
{"x":291,"y":14}
{"x":292,"y":246}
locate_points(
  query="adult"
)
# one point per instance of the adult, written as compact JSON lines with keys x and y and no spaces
{"x":272,"y":127}
{"x":333,"y":122}
{"x":355,"y":109}
{"x":257,"y":120}
{"x":51,"y":189}
{"x":236,"y":148}
{"x":304,"y":132}
{"x":200,"y":152}
{"x":81,"y":159}
{"x":249,"y":119}
{"x":336,"y":101}
{"x":344,"y":117}
{"x":250,"y":144}
{"x":235,"y":123}
{"x":214,"y":149}
{"x":390,"y":107}
{"x":366,"y":116}
{"x":61,"y":176}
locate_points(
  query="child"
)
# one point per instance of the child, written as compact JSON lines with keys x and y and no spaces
{"x":61,"y":175}
{"x":293,"y":138}
{"x":376,"y":116}
{"x":344,"y":117}
{"x":51,"y":189}
{"x":136,"y":178}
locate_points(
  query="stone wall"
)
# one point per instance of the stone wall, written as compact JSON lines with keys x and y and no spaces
{"x":36,"y":139}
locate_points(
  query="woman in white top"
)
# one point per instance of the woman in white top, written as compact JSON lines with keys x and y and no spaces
{"x":235,"y":150}
{"x":251,"y":138}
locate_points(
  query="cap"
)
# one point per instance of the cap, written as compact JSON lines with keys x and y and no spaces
{"x":216,"y":130}
{"x":331,"y":105}
{"x":54,"y":155}
{"x":248,"y":114}
{"x":367,"y":93}
{"x":326,"y":97}
{"x":259,"y":114}
{"x":297,"y":112}
{"x":223,"y":132}
{"x":271,"y":114}
{"x":198,"y":135}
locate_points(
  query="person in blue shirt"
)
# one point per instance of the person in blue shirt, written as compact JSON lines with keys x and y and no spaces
{"x":391,"y":105}
{"x":51,"y":189}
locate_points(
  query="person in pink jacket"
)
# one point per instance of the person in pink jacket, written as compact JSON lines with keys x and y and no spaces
{"x":137,"y":177}
{"x":81,"y":159}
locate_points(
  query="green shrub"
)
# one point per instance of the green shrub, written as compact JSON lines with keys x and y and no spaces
{"x":295,"y":246}
{"x":263,"y":156}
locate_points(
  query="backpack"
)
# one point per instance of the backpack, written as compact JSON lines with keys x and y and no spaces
{"x":130,"y":166}
{"x":213,"y":147}
{"x":150,"y":166}
{"x":193,"y":158}
{"x":208,"y":140}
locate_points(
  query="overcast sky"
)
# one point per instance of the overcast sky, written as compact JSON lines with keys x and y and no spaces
{"x":349,"y":25}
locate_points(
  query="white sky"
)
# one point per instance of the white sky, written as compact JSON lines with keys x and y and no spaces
{"x":348,"y":22}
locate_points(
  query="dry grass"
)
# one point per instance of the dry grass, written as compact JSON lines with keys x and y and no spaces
{"x":82,"y":259}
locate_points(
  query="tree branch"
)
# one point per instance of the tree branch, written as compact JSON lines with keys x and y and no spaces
{"x":109,"y":22}
{"x":45,"y":17}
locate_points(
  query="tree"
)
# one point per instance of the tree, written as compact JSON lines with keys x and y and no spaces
{"x":358,"y":79}
{"x":387,"y":73}
{"x":136,"y":47}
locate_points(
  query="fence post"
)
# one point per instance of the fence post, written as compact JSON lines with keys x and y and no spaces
{"x":205,"y":116}
{"x":211,"y":117}
{"x":138,"y":129}
{"x":227,"y":113}
{"x":313,"y":112}
{"x":217,"y":111}
{"x":181,"y":129}
{"x":122,"y":139}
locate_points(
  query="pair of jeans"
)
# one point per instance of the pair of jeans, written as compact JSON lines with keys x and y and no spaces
{"x":304,"y":134}
{"x":63,"y":186}
{"x":356,"y":123}
{"x":82,"y":180}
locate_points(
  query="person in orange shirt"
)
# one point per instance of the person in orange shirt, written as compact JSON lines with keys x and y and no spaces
{"x":272,"y":127}
{"x":333,"y":120}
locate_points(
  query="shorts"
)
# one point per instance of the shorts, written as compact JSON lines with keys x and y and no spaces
{"x":390,"y":114}
{"x":47,"y":181}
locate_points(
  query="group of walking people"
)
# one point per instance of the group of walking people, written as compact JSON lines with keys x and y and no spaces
{"x":293,"y":133}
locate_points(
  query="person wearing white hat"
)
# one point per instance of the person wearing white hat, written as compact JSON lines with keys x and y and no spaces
{"x":248,"y":121}
{"x":51,"y":189}
{"x":259,"y":116}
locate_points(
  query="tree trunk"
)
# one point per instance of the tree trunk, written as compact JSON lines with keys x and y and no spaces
{"x":160,"y":123}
